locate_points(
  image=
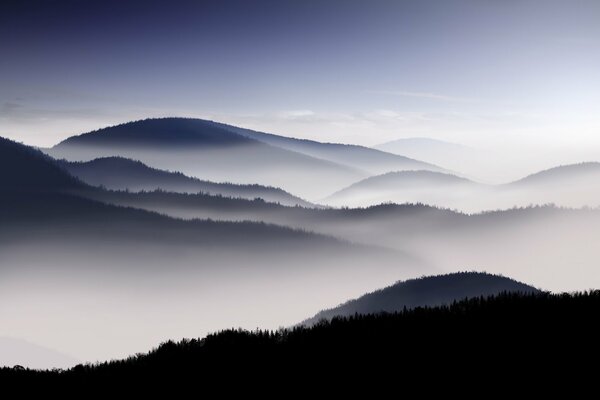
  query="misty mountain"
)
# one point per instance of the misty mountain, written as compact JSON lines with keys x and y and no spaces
{"x":367,"y":159}
{"x":532,"y":244}
{"x":67,"y":251}
{"x":119,"y":173}
{"x":163,"y":132}
{"x":25,"y":169}
{"x":471,"y":162}
{"x":433,"y":188}
{"x":204,"y":150}
{"x":566,"y":186}
{"x":37,"y":191}
{"x":569,"y":175}
{"x":428,"y":291}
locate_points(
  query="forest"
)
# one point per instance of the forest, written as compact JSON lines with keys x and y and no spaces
{"x":478,"y":336}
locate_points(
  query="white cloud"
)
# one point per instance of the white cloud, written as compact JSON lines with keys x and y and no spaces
{"x":423,"y":95}
{"x":293,"y":114}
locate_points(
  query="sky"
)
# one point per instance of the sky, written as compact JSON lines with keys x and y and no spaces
{"x":512,"y":73}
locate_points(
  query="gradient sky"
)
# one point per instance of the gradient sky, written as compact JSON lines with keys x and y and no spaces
{"x":480,"y":72}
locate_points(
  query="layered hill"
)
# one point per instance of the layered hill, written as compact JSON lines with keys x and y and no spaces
{"x":119,"y":173}
{"x":429,"y":291}
{"x":222,"y":153}
{"x":433,"y":188}
{"x":371,"y":160}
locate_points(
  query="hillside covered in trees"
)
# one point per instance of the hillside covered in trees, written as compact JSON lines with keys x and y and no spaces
{"x":474,"y":337}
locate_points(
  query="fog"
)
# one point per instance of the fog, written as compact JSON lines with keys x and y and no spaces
{"x":547,"y":246}
{"x":97,"y":301}
{"x":97,"y":274}
{"x":301,"y":175}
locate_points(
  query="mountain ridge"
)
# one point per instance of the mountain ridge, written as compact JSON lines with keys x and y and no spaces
{"x":119,"y":173}
{"x":427,"y":291}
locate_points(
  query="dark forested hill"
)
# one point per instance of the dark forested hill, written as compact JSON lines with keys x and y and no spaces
{"x":478,"y":337}
{"x":428,"y":291}
{"x":23,"y":168}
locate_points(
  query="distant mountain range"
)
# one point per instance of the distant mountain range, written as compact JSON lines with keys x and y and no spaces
{"x":119,"y":173}
{"x":223,"y":153}
{"x":364,"y":158}
{"x":429,"y":291}
{"x":567,"y":186}
{"x":573,"y":175}
{"x":434,"y":188}
{"x":474,"y":163}
{"x":36,"y":190}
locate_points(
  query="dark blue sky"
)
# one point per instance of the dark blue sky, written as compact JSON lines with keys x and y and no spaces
{"x":355,"y":71}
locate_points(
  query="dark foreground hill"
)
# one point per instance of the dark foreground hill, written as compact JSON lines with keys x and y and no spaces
{"x":471,"y":339}
{"x":428,"y":291}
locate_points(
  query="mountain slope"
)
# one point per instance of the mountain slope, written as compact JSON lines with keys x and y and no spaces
{"x":206,"y":151}
{"x":433,"y":188}
{"x":364,"y":158}
{"x":162,"y":132}
{"x":425,"y":292}
{"x":38,"y":192}
{"x":23,"y":168}
{"x":472,"y":162}
{"x":571,"y":175}
{"x":458,"y":340}
{"x":119,"y":173}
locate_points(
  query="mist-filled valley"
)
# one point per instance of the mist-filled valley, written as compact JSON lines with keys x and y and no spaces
{"x":169,"y":228}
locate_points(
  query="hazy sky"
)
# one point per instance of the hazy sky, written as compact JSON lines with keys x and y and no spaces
{"x":481,"y":72}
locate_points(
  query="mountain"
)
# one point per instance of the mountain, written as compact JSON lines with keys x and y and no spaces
{"x":429,"y":291}
{"x":37,"y":191}
{"x":179,"y":133}
{"x":15,"y":351}
{"x":566,"y":186}
{"x":469,"y":161}
{"x":575,"y":185}
{"x":367,"y":159}
{"x":117,"y":173}
{"x":204,"y":150}
{"x":223,"y":153}
{"x":24,"y":169}
{"x":570,"y":175}
{"x":74,"y":265}
{"x":433,"y":188}
{"x":458,"y":340}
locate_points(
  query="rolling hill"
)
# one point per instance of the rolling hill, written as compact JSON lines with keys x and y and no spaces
{"x":222,"y":153}
{"x":74,"y":265}
{"x":364,"y":158}
{"x":433,"y":188}
{"x":203,"y":150}
{"x":457,"y":340}
{"x":24,"y":169}
{"x":564,"y":175}
{"x":429,"y":291}
{"x":117,"y":173}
